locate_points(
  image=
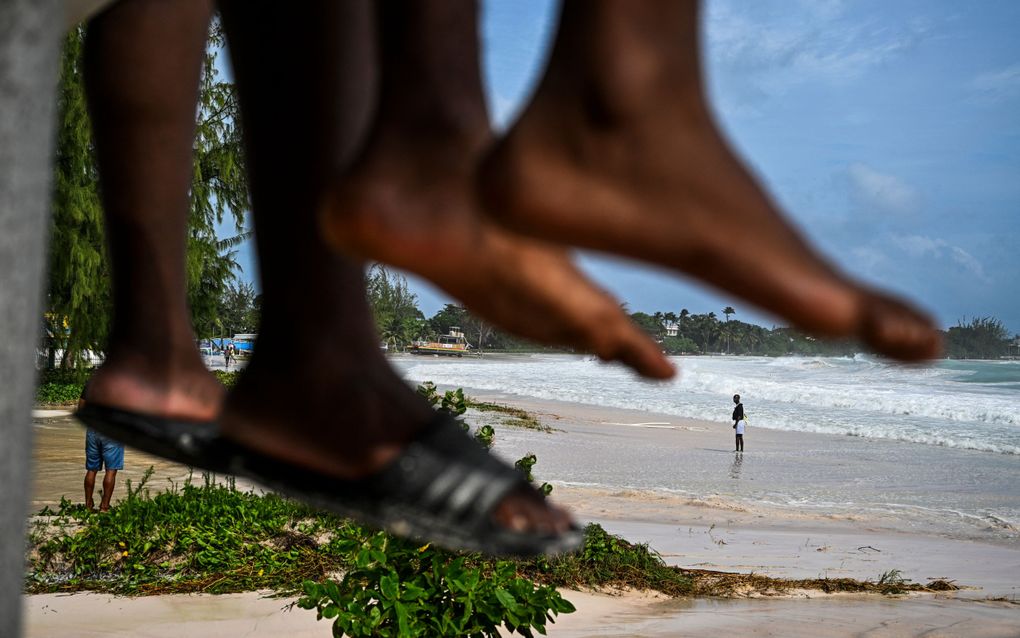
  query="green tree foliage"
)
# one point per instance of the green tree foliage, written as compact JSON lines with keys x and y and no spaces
{"x":219,"y":189}
{"x":650,"y":324}
{"x":704,"y":329}
{"x":449,"y":316}
{"x":705,"y":333}
{"x":982,"y":338}
{"x":397,"y":317}
{"x":237,"y":311}
{"x":78,"y":299}
{"x":678,"y":345}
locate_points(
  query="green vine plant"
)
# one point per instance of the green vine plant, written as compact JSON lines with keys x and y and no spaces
{"x":398,"y":589}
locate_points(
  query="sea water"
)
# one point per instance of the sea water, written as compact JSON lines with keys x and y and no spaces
{"x":963,"y":404}
{"x":934,"y":446}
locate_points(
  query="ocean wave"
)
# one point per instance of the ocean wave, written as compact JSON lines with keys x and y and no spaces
{"x":856,"y":396}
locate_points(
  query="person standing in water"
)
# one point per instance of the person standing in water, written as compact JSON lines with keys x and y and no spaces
{"x":738,"y":422}
{"x":101,"y":453}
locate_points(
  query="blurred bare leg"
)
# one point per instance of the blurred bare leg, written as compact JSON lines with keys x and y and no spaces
{"x":409,"y":200}
{"x":317,"y":391}
{"x":619,"y":152}
{"x":142,"y":65}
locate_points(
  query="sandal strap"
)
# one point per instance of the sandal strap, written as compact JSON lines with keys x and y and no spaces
{"x":443,"y":475}
{"x":450,"y":475}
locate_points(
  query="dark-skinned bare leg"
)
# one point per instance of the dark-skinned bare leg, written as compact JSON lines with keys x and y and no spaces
{"x":317,"y":390}
{"x":90,"y":489}
{"x":619,"y":152}
{"x":109,"y":482}
{"x":142,"y":65}
{"x":409,"y":200}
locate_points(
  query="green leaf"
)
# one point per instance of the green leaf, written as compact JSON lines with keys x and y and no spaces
{"x":563,"y":606}
{"x":505,"y":598}
{"x":402,"y":622}
{"x":332,"y":590}
{"x":330,"y":611}
{"x":389,"y":587}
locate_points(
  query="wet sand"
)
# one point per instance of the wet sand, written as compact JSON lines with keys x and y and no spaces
{"x":712,"y":533}
{"x":58,"y":457}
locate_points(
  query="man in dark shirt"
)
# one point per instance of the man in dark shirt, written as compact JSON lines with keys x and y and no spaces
{"x":738,"y":422}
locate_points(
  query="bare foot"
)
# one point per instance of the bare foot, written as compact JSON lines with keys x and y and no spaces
{"x":166,"y":384}
{"x":618,"y":152}
{"x":414,"y":208}
{"x":348,"y":416}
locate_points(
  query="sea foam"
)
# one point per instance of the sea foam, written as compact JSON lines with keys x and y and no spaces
{"x":970,"y":405}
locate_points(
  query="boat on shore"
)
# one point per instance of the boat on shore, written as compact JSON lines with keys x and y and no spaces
{"x":449,"y":345}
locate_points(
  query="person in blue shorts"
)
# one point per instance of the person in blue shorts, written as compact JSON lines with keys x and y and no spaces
{"x":100,"y":453}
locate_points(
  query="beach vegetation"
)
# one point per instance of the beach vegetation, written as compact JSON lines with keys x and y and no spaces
{"x":213,"y":538}
{"x":204,"y":536}
{"x":980,"y":338}
{"x":227,"y":377}
{"x":485,"y":435}
{"x":60,"y":386}
{"x":396,"y":589}
{"x":395,"y":308}
{"x":453,"y":402}
{"x":58,"y":393}
{"x":63,"y":386}
{"x":514,"y":417}
{"x":238,"y":310}
{"x":607,"y":561}
{"x":524,"y":465}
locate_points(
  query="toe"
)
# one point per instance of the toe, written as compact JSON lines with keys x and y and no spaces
{"x":614,"y":337}
{"x":643,"y":355}
{"x":899,"y":331}
{"x":526,"y":512}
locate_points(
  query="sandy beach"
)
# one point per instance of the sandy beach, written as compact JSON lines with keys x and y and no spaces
{"x":709,"y":531}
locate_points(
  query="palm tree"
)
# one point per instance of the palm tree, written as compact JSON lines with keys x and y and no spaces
{"x":728,"y":310}
{"x":753,"y":338}
{"x":704,"y":327}
{"x":683,"y":319}
{"x":660,"y":326}
{"x":726,"y":332}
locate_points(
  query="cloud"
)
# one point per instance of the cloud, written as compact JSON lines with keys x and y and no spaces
{"x":780,"y":45}
{"x":881,"y":191}
{"x":920,"y":246}
{"x":999,"y":84}
{"x":869,"y":259}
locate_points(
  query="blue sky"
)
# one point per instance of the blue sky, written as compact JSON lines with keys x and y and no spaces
{"x":890,"y":132}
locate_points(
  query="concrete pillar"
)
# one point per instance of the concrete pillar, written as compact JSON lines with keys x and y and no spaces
{"x":30,"y":32}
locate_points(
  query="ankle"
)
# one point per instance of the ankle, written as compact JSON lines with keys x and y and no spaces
{"x":155,"y":357}
{"x":640,"y":57}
